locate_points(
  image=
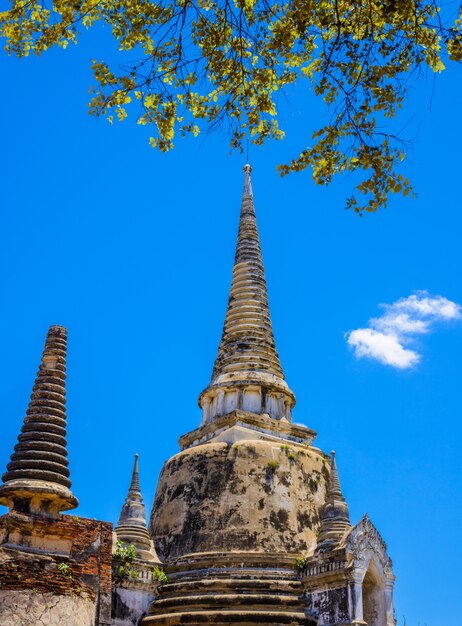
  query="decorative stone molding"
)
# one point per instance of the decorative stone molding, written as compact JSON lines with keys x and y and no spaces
{"x":258,"y":427}
{"x":363,"y":543}
{"x":366,"y":550}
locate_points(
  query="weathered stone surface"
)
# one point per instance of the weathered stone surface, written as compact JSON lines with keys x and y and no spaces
{"x":331,"y":605}
{"x":130,"y":604}
{"x":29,"y":608}
{"x":249,"y":496}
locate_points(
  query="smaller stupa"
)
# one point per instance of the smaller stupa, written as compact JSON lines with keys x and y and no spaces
{"x":335,"y":519}
{"x":131,"y":528}
{"x":37,"y":477}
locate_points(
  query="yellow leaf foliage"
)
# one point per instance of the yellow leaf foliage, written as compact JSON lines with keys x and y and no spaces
{"x":208,"y":63}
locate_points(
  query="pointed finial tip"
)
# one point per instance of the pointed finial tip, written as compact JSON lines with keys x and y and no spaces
{"x":136,"y":455}
{"x":332,"y":453}
{"x":247,"y":181}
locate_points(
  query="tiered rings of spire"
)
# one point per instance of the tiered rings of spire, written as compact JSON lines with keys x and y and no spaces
{"x":37,"y":477}
{"x":247,"y":374}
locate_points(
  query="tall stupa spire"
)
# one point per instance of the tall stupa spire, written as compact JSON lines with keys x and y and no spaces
{"x":247,"y":343}
{"x":131,"y":528}
{"x":247,"y":356}
{"x":335,"y":519}
{"x":37,"y":477}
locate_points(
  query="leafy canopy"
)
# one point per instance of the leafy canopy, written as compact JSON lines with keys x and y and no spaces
{"x":203,"y":64}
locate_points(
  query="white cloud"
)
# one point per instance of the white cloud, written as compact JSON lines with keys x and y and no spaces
{"x":386,"y":337}
{"x":422,"y":305}
{"x":387,"y":349}
{"x":399,"y":323}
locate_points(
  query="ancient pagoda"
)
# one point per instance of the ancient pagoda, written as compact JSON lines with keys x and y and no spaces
{"x":249,"y":518}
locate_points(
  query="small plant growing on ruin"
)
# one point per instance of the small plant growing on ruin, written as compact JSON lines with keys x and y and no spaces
{"x":300,"y":564}
{"x":127,"y":571}
{"x":159,"y":574}
{"x":65,"y":569}
{"x":125,"y":553}
{"x":123,"y":572}
{"x":290,"y":452}
{"x":273,"y":465}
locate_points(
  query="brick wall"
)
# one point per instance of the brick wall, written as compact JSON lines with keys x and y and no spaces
{"x":34,"y":550}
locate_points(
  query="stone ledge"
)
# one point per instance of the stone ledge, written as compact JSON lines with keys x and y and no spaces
{"x":262,"y":424}
{"x":238,"y":560}
{"x":243,"y":618}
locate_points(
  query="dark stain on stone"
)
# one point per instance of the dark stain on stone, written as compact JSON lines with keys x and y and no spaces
{"x":285,"y":479}
{"x":325,"y":472}
{"x":304,"y":520}
{"x":279,"y":519}
{"x":176,"y":492}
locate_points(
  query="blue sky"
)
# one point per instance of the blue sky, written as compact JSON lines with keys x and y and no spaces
{"x":132,"y":250}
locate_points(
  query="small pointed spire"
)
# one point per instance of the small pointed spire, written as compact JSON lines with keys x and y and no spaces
{"x":334,"y":482}
{"x":131,"y":528}
{"x":37,"y":477}
{"x":135,"y":490}
{"x":335,"y":518}
{"x":247,"y":353}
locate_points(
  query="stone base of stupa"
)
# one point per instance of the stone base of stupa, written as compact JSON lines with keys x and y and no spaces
{"x":231,"y":588}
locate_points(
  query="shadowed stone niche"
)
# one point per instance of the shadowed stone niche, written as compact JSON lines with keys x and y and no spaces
{"x":374,"y":602}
